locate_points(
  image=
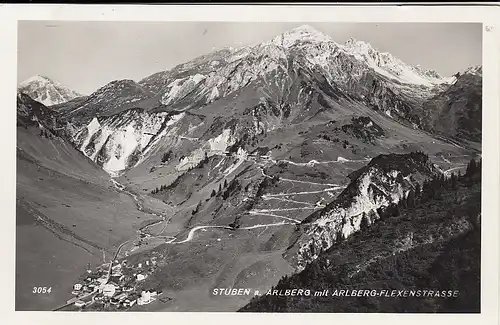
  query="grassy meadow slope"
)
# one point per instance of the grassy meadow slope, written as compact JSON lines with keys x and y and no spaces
{"x":68,"y":213}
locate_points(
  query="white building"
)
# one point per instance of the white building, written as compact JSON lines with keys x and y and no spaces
{"x":140,"y":277}
{"x":102,"y":280}
{"x":108,"y":290}
{"x":145,"y":298}
{"x":77,"y":287}
{"x":79,"y":303}
{"x":121,"y":296}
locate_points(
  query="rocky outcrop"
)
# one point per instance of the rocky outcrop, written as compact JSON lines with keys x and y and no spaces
{"x":385,"y":180}
{"x":31,"y":112}
{"x":113,"y":98}
{"x":457,"y":111}
{"x":279,"y":67}
{"x":120,"y":141}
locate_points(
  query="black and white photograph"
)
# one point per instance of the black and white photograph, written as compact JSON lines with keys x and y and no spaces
{"x":250,"y":167}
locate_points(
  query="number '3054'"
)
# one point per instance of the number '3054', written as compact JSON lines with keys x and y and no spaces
{"x":42,"y":289}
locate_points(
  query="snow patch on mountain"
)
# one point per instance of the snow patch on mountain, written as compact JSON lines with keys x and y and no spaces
{"x":123,"y":145}
{"x":475,"y":70}
{"x":118,"y":141}
{"x":179,"y":88}
{"x":192,"y":160}
{"x":242,"y":156}
{"x":169,"y":131}
{"x":304,"y":33}
{"x":92,"y":128}
{"x":220,"y":143}
{"x":214,"y":94}
{"x":391,"y":67}
{"x":214,"y":146}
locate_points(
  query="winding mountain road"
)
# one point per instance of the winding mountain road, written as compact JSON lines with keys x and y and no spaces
{"x":448,"y":171}
{"x":190,"y":236}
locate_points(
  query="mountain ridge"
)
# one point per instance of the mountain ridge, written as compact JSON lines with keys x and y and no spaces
{"x":47,"y":91}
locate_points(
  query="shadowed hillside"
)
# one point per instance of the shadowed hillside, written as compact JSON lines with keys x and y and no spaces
{"x":432,"y":241}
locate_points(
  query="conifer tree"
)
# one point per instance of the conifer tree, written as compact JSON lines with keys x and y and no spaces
{"x":402,"y":202}
{"x":426,"y":190}
{"x":364,"y":222}
{"x":453,"y":181}
{"x":471,"y":168}
{"x":410,"y":200}
{"x":418,"y":190}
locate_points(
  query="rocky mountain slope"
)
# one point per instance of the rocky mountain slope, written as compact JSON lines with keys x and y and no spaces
{"x":296,"y":76}
{"x":432,"y":241}
{"x":385,"y":180}
{"x":110,"y":99}
{"x":31,"y":112}
{"x":457,"y":111}
{"x":47,"y":91}
{"x":299,"y":75}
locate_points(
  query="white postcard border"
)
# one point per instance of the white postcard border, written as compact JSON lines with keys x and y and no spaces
{"x":488,"y":15}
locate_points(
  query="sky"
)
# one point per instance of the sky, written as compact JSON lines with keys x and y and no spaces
{"x":85,"y":56}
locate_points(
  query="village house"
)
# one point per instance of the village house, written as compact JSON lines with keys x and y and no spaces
{"x":103,"y":279}
{"x":79,"y":303}
{"x":121,"y":296}
{"x":114,"y":279}
{"x":145,"y":298}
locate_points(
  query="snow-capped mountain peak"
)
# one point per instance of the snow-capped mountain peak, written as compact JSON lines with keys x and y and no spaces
{"x":47,"y":91}
{"x":360,"y":46}
{"x":475,"y":70}
{"x":304,"y":33}
{"x":35,"y":78}
{"x":390,"y":66}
